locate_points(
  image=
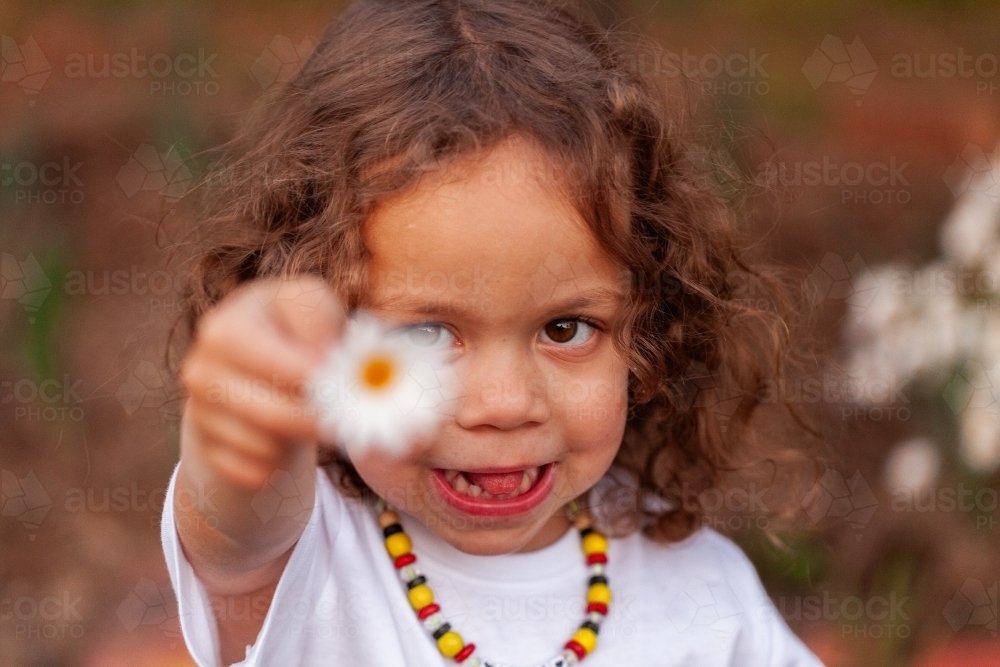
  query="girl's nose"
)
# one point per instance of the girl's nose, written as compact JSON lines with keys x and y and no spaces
{"x":503,"y":389}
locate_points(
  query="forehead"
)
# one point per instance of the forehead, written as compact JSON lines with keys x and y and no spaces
{"x":495,"y":232}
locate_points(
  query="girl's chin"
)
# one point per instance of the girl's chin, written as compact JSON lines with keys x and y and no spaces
{"x":496,"y":541}
{"x":491,"y":537}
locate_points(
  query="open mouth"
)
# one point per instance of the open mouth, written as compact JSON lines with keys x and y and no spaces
{"x":495,"y":493}
{"x":493,"y":485}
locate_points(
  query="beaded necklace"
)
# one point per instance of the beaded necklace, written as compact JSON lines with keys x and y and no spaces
{"x":449,"y":642}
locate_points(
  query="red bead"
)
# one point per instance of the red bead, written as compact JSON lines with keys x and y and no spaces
{"x":597,"y":558}
{"x":464,"y":653}
{"x":599,"y":607}
{"x":404,"y":560}
{"x":575,"y":646}
{"x":427,"y":611}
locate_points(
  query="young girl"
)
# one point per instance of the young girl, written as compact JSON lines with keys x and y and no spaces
{"x":495,"y":178}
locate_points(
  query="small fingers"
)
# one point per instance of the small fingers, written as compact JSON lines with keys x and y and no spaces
{"x":280,"y":412}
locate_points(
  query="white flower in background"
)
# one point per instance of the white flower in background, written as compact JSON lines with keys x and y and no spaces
{"x":925,"y":324}
{"x":914,"y":325}
{"x":912,"y":466}
{"x":381,"y":388}
{"x":973,"y":394}
{"x":969,"y":234}
{"x":980,"y":438}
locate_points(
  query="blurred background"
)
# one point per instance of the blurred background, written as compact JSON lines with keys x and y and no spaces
{"x":869,"y":130}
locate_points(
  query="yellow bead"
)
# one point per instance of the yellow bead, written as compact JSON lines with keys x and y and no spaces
{"x":595,"y":543}
{"x":387,"y":518}
{"x":398,"y":544}
{"x":420,"y":596}
{"x":450,"y":643}
{"x":599,"y":593}
{"x":586,"y":638}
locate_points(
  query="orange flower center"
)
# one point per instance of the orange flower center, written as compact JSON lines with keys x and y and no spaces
{"x":378,"y":372}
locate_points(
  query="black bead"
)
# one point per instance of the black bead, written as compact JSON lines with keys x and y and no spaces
{"x":593,"y":626}
{"x":598,"y":579}
{"x":392,"y":529}
{"x":416,"y":581}
{"x":445,"y":627}
{"x":585,"y":532}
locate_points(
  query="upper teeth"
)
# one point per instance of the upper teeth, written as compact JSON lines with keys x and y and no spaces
{"x":461,"y":484}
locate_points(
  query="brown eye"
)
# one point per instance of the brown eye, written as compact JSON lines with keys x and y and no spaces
{"x":574,"y":332}
{"x":561,"y":332}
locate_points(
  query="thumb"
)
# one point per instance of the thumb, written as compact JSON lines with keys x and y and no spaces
{"x":309,"y":311}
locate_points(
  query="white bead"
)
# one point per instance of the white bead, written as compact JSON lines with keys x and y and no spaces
{"x":570,"y":657}
{"x":472,"y":661}
{"x":408,"y":573}
{"x":597,"y":569}
{"x":434,"y":621}
{"x":595,"y":617}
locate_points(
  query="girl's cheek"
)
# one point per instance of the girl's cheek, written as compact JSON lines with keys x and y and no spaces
{"x":596,"y":406}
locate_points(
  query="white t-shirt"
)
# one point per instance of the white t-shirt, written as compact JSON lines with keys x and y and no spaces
{"x":339,"y":601}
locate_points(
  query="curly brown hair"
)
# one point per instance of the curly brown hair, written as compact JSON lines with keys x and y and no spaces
{"x":396,"y":87}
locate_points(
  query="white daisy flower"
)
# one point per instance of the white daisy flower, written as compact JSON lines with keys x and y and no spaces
{"x":380,"y":388}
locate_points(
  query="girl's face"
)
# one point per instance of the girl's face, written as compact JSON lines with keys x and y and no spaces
{"x":489,"y":258}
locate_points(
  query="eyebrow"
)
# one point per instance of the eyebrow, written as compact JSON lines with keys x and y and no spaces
{"x":600,"y":296}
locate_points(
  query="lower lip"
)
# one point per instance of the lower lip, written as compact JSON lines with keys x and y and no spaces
{"x":510,"y":507}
